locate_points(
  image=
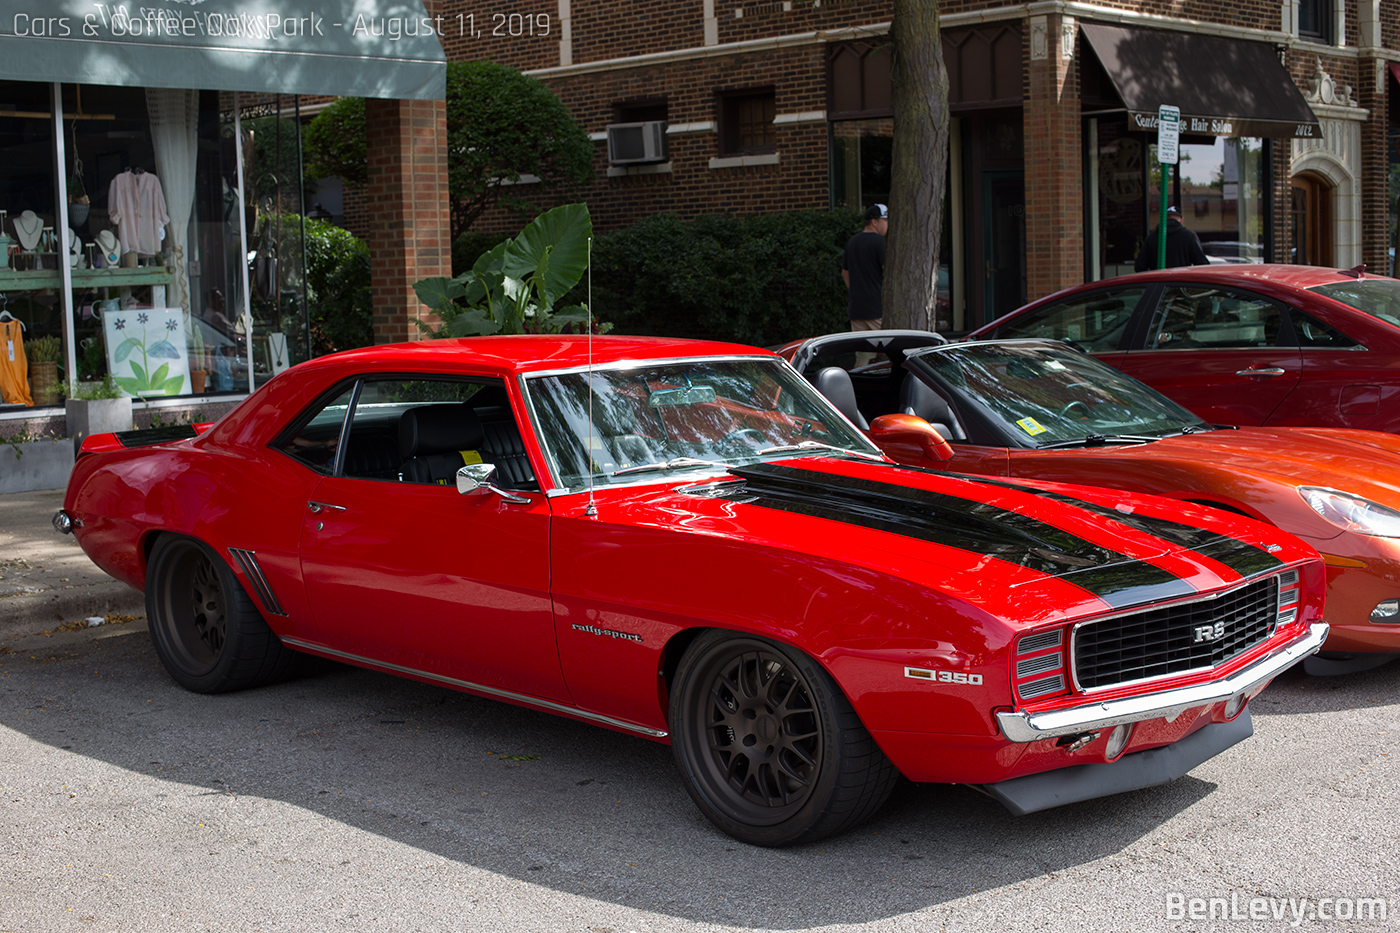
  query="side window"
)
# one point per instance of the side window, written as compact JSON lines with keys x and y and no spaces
{"x":1095,"y":322}
{"x":315,"y":439}
{"x":1309,"y":332}
{"x":425,"y":430}
{"x":1193,"y":317}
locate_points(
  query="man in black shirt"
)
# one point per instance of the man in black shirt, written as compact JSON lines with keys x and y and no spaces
{"x":863,"y":269}
{"x":1183,"y":246}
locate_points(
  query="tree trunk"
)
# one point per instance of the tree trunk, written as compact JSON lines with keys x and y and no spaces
{"x":919,"y":165}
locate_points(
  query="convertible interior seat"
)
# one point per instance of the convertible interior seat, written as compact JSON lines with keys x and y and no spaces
{"x":435,"y":441}
{"x":835,"y":383}
{"x":916,"y":398}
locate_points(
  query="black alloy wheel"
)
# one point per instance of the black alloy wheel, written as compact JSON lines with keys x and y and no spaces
{"x":770,"y":748}
{"x":206,"y":630}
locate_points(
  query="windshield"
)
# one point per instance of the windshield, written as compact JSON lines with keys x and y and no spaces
{"x":1379,"y":298}
{"x":1047,"y":395}
{"x":666,"y":417}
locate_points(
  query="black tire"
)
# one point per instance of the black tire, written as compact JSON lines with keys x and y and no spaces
{"x":769,"y":748}
{"x":207,"y":631}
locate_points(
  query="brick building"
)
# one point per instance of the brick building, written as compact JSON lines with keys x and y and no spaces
{"x":773,"y":106}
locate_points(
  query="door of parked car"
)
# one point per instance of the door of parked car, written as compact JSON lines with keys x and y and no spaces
{"x":402,"y":568}
{"x":1202,"y":340}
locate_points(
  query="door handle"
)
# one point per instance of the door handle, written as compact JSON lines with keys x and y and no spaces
{"x":319,"y":507}
{"x":1270,"y":371}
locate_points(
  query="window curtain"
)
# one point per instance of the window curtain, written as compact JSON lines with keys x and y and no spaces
{"x":174,"y":116}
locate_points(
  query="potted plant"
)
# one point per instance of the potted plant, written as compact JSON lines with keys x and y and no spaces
{"x":78,"y":202}
{"x":43,"y":369}
{"x":97,"y":408}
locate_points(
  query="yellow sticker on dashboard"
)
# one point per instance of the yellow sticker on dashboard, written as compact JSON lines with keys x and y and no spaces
{"x":1031,"y":426}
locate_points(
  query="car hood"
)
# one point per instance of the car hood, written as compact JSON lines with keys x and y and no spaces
{"x":1020,"y":550}
{"x":1257,"y":467}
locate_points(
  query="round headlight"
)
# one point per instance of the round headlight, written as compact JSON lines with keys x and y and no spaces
{"x":1352,"y":513}
{"x":1118,"y":740}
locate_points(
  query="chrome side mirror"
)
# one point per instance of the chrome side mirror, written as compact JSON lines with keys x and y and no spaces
{"x":475,"y":479}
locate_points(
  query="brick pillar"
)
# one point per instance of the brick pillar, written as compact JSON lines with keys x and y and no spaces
{"x":1053,"y":158}
{"x":1374,"y":81}
{"x":409,"y":230}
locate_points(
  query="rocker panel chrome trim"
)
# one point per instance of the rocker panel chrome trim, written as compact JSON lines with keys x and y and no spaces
{"x":479,"y":688}
{"x":1020,"y":726}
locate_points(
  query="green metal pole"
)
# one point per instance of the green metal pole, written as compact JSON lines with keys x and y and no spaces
{"x":1162,"y":224}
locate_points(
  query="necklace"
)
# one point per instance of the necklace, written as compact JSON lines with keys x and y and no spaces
{"x":29,"y":226}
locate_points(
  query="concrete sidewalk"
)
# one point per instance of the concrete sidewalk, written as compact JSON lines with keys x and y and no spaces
{"x":45,"y":578}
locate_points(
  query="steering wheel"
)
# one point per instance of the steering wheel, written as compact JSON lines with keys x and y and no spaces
{"x":749,"y":437}
{"x":1069,"y":408}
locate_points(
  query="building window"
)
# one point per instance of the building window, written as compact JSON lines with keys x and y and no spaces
{"x":746,"y":123}
{"x":640,"y":111}
{"x":1316,"y":19}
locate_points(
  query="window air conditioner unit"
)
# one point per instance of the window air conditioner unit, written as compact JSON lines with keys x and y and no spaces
{"x":631,"y":143}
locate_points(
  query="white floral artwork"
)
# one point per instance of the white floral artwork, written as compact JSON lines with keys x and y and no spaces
{"x":146,"y":352}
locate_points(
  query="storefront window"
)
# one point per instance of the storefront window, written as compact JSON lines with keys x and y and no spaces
{"x":31,"y":301}
{"x":149,"y":291}
{"x":151,"y":272}
{"x":277,"y":204}
{"x":1221,"y":194}
{"x":1218,"y":185}
{"x":861,"y":154}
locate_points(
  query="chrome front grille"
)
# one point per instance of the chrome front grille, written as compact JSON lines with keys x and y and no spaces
{"x":1178,"y":638}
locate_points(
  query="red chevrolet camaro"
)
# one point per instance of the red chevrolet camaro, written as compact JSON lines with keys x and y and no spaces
{"x":684,"y":541}
{"x":1242,"y":344}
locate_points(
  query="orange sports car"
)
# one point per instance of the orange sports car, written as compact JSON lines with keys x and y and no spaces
{"x":1041,"y":409}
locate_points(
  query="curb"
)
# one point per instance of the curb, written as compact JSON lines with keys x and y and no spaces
{"x":25,"y":615}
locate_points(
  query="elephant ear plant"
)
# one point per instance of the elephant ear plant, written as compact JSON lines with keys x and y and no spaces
{"x":513,"y":288}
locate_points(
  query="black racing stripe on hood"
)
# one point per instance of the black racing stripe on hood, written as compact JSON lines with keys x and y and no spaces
{"x":1245,"y":559}
{"x":957,"y":522}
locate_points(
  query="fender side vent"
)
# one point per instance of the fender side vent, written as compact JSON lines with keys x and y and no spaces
{"x":248,"y":560}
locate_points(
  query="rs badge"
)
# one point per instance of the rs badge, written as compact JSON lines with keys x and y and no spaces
{"x":1210,"y":632}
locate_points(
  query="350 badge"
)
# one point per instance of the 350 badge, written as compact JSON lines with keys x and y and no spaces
{"x":944,"y":677}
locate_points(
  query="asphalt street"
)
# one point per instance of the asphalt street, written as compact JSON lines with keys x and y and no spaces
{"x":351,"y":800}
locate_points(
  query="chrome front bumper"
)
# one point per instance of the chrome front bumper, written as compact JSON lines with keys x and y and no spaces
{"x":1019,"y":726}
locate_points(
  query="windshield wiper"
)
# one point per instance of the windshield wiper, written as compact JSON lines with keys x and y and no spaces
{"x":817,"y":445}
{"x":675,"y":463}
{"x":1196,"y":429}
{"x":1100,"y":440}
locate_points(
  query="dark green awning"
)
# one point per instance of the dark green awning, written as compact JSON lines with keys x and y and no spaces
{"x":344,"y":48}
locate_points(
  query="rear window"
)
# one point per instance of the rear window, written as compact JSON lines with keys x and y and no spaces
{"x":1379,"y":298}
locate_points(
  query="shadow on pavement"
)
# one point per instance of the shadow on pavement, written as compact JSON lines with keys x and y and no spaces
{"x":548,"y":801}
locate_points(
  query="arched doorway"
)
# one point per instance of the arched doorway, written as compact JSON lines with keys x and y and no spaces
{"x":1312,"y":220}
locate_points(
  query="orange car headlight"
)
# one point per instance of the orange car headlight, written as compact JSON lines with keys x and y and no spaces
{"x":1352,"y":513}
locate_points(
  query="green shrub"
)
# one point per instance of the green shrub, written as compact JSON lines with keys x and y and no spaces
{"x":337,"y":288}
{"x":759,"y":279}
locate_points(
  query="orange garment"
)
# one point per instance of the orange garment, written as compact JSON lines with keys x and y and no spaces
{"x":14,"y":365}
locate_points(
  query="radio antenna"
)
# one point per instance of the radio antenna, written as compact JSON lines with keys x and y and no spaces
{"x":592,"y":508}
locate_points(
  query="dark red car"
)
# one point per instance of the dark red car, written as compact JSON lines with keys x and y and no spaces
{"x":1240,"y":344}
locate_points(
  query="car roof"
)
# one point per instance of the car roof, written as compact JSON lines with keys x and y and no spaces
{"x":1278,"y":273}
{"x":522,"y":353}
